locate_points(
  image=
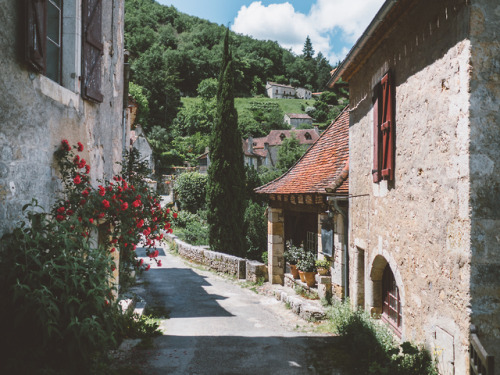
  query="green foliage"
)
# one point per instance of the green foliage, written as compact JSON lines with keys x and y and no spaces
{"x":307,"y":263}
{"x":323,"y":263}
{"x":265,"y":257}
{"x":226,"y":174}
{"x":255,"y":230}
{"x":293,"y":254}
{"x":192,"y":228}
{"x":137,"y":92}
{"x":55,"y":298}
{"x":191,"y":191}
{"x":207,"y":89}
{"x":289,"y":152}
{"x":308,"y":50}
{"x":381,"y":355}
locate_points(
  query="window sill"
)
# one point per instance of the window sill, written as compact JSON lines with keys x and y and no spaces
{"x":59,"y":93}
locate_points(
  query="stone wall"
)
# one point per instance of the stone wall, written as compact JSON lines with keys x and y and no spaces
{"x":421,"y":225}
{"x":484,"y":169}
{"x":220,"y":262}
{"x":37,"y":113}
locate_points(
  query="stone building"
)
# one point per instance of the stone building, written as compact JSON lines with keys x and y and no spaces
{"x":297,"y":119}
{"x":278,"y":91}
{"x":139,"y":141}
{"x":424,"y":174}
{"x":61,"y":79}
{"x":264,"y":150}
{"x":300,"y":210}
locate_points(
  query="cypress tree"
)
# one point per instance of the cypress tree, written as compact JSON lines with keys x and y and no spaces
{"x":308,"y":50}
{"x":226,"y":174}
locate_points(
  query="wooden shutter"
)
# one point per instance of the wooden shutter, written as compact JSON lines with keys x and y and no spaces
{"x":36,"y":34}
{"x":377,"y":139}
{"x":387,"y":129}
{"x":92,"y":50}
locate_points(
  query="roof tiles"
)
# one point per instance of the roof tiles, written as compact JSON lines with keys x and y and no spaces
{"x":320,"y":166}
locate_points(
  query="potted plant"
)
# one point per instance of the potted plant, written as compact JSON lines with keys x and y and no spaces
{"x":323,"y":266}
{"x":292,"y":255}
{"x":307,"y":265}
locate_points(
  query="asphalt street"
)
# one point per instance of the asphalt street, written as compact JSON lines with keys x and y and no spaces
{"x":217,"y":327}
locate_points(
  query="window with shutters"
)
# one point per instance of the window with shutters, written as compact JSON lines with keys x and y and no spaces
{"x":64,"y":43}
{"x":383,"y":130}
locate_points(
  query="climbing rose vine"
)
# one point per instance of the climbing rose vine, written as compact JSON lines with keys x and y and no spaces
{"x":126,"y":209}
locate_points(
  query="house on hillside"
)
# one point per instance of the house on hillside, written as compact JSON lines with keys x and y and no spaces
{"x":303,"y":93}
{"x":264,"y":150}
{"x":62,"y":82}
{"x":297,"y":119}
{"x":300,"y":209}
{"x":278,"y":91}
{"x":424,"y":177}
{"x":139,"y":141}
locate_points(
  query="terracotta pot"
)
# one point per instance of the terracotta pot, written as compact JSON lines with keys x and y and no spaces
{"x":294,"y":271}
{"x":310,"y":279}
{"x":302,"y":276}
{"x":323,"y":271}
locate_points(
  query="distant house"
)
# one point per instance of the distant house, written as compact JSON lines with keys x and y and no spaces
{"x":264,"y":150}
{"x":279,"y":91}
{"x":302,"y":211}
{"x":139,"y":141}
{"x":297,"y":119}
{"x":303,"y":93}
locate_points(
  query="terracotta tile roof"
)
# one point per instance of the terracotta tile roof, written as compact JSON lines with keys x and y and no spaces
{"x":320,"y":166}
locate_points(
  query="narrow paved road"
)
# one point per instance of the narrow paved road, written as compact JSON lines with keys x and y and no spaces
{"x":218,"y":327}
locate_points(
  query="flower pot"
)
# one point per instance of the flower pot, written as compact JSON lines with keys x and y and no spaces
{"x":302,"y":276}
{"x":294,"y":271}
{"x":310,"y":279}
{"x":323,"y":271}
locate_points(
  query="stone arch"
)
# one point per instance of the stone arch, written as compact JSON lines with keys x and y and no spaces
{"x":378,"y":263}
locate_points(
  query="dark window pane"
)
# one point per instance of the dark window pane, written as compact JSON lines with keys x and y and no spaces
{"x":53,"y":23}
{"x":53,"y":61}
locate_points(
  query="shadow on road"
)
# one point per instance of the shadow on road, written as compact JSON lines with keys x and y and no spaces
{"x":249,"y":355}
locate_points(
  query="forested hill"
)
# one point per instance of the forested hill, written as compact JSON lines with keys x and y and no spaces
{"x":172,"y":52}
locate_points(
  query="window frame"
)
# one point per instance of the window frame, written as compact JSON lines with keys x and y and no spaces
{"x":391,"y":301}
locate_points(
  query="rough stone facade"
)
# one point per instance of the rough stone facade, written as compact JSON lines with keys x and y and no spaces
{"x":37,"y":113}
{"x":437,"y":226}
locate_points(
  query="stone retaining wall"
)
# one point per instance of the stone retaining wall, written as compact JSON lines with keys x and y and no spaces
{"x":220,"y":262}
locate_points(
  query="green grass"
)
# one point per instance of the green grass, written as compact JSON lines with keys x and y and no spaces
{"x":243,"y":104}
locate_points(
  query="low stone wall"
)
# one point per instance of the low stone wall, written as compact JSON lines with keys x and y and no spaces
{"x":220,"y":262}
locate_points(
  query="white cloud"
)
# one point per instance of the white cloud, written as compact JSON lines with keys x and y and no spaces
{"x":346,"y":19}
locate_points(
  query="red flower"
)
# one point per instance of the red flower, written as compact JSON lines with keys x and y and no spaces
{"x":85,"y":193}
{"x":113,"y":197}
{"x":170,"y":231}
{"x":79,"y":219}
{"x":82,"y":202}
{"x":87,"y":169}
{"x":114,"y":240}
{"x":124,"y":206}
{"x":101,"y":215}
{"x":112,"y":250}
{"x":140,"y":223}
{"x":147,"y":267}
{"x":175,"y":215}
{"x":159,"y":263}
{"x":76,"y":160}
{"x":113,"y":267}
{"x":61,"y":210}
{"x":168,"y":210}
{"x":134,"y":247}
{"x":136,"y":203}
{"x":82,"y":163}
{"x":65,"y":145}
{"x":80,"y":146}
{"x":102,"y":191}
{"x":147,"y":231}
{"x":77,"y":180}
{"x":59,"y":217}
{"x":70,"y":212}
{"x":105,"y":203}
{"x":91,"y":221}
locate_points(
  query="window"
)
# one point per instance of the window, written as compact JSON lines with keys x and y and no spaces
{"x":308,"y":136}
{"x":56,"y":51}
{"x":282,"y":136}
{"x":391,"y":305}
{"x":383,"y":130}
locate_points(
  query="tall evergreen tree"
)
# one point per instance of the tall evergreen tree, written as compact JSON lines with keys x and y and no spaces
{"x":308,"y":50}
{"x":226,"y":174}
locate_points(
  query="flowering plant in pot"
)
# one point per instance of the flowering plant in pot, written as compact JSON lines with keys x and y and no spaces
{"x":293,"y":255}
{"x":323,"y":266}
{"x":307,"y":265}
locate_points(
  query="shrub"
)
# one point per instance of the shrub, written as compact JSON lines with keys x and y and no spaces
{"x":191,"y":191}
{"x":255,"y":230}
{"x":192,"y":228}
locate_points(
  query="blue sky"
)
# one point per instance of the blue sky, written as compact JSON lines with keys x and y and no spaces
{"x":332,"y":25}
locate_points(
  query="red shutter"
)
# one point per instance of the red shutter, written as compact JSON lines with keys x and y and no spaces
{"x":387,"y":129}
{"x":92,"y":50}
{"x":377,"y":146}
{"x":36,"y":34}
